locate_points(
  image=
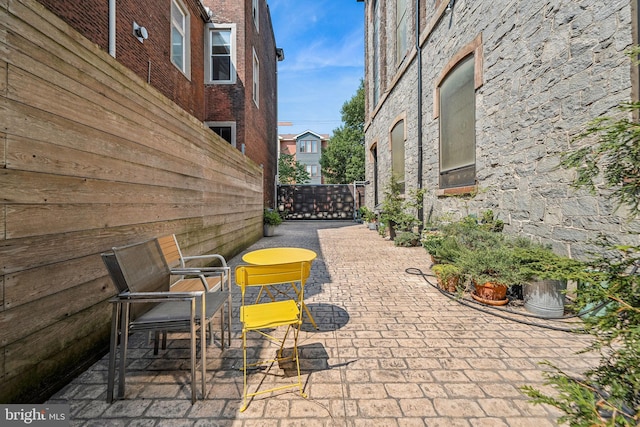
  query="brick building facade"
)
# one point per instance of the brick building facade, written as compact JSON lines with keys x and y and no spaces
{"x":477,"y":103}
{"x":242,"y":109}
{"x":240,"y":82}
{"x":150,"y":59}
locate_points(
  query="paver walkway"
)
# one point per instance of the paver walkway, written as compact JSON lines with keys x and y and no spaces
{"x":390,"y":351}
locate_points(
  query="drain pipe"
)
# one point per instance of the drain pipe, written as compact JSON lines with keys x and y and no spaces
{"x":419,"y":120}
{"x":112,"y":28}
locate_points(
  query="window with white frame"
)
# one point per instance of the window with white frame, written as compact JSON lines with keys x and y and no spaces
{"x":226,"y":130}
{"x":256,"y":79}
{"x":221,"y":46}
{"x":180,"y":46}
{"x":313,"y":170}
{"x":255,"y":12}
{"x":308,"y":146}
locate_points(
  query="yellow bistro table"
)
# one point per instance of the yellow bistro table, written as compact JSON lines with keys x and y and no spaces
{"x":270,"y":256}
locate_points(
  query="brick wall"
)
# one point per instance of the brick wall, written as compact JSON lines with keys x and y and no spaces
{"x":256,"y":125}
{"x":150,"y":60}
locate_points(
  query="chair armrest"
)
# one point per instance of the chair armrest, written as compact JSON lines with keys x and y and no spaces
{"x":156,"y":296}
{"x":215,"y":256}
{"x":196,"y":271}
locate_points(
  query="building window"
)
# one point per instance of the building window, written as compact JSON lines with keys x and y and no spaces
{"x":255,"y":12}
{"x":256,"y":79}
{"x":374,"y":158}
{"x":401,"y":29}
{"x":376,"y":53}
{"x":226,"y":130}
{"x":457,"y":106}
{"x":313,"y":170}
{"x":180,"y":37}
{"x":398,"y":137}
{"x":310,"y":146}
{"x":220,"y":66}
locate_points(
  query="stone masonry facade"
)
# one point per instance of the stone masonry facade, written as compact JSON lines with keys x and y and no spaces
{"x":543,"y":70}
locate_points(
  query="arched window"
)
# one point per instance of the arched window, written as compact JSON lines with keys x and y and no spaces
{"x":398,"y":137}
{"x":457,"y":126}
{"x":402,"y":19}
{"x":375,"y":75}
{"x":374,"y":161}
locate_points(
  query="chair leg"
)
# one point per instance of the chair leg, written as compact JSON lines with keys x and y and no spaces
{"x":244,"y":370}
{"x":296,"y":355}
{"x":124,"y":342}
{"x":115,"y":329}
{"x":193,"y":361}
{"x":229,"y":309}
{"x":203,"y":357}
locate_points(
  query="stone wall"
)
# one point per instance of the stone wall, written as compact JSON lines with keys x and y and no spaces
{"x":547,"y":69}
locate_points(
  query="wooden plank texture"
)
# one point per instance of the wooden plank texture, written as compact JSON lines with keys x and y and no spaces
{"x":91,"y":157}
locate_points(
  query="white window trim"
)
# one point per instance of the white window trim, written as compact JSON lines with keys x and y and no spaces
{"x":207,"y":54}
{"x":256,"y":79}
{"x":255,"y":10}
{"x":232,"y":125}
{"x":186,"y":48}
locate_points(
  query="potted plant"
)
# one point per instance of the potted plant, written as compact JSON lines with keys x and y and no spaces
{"x":448,"y":276}
{"x":397,"y":208}
{"x":546,"y":275}
{"x":271,"y":219}
{"x":492,"y":270}
{"x":407,"y":239}
{"x":432,"y":241}
{"x":369,"y":217}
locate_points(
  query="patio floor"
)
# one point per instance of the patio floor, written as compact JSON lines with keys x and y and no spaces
{"x":391,"y":350}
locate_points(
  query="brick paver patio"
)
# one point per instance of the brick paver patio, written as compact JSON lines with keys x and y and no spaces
{"x":390,"y":351}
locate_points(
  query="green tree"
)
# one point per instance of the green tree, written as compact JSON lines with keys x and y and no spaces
{"x":291,"y":171}
{"x":342,"y":160}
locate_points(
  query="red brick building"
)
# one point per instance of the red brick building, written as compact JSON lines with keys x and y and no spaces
{"x":240,"y":81}
{"x":216,"y":59}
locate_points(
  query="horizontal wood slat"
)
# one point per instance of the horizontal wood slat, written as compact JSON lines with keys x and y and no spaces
{"x":92,"y":157}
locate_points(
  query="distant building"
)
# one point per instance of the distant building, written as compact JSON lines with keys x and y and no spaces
{"x":307,"y":149}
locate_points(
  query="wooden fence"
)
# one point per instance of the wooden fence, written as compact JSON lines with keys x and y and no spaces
{"x":92,"y":157}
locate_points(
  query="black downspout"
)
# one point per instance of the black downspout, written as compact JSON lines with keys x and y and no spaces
{"x":419,"y":120}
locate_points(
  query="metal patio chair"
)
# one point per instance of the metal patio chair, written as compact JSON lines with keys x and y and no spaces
{"x":197,"y":278}
{"x":264,"y":317}
{"x":145,"y":303}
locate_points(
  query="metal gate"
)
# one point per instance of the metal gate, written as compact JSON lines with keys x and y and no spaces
{"x":323,"y":201}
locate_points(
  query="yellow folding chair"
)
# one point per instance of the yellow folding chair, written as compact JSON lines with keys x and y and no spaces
{"x":264,"y":317}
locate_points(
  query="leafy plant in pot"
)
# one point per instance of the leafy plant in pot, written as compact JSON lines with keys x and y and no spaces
{"x":545,"y":278}
{"x":492,"y":271}
{"x":432,"y":241}
{"x":271,"y":219}
{"x":448,"y":275}
{"x":397,"y":208}
{"x":369,"y":217}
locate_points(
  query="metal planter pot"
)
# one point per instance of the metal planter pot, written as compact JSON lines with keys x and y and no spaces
{"x":544,"y":298}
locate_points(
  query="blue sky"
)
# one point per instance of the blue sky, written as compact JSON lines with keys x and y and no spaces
{"x":323,"y":42}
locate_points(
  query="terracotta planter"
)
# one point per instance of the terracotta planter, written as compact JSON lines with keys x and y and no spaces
{"x":450,"y":285}
{"x":491,"y":291}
